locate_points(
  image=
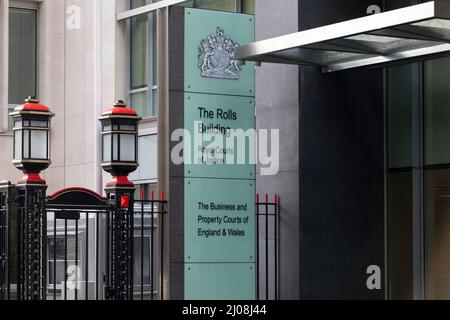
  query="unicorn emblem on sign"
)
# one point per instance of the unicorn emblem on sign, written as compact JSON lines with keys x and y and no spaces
{"x":216,"y":57}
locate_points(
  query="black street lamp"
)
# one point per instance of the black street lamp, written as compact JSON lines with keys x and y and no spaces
{"x":120,"y":150}
{"x":120,"y":142}
{"x":31,"y":154}
{"x":31,"y":140}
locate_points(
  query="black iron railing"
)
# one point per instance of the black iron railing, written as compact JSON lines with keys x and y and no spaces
{"x":5,"y":239}
{"x":267,"y":248}
{"x":149,"y":256}
{"x":75,"y":246}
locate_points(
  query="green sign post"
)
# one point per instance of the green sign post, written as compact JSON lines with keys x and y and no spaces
{"x":215,"y":105}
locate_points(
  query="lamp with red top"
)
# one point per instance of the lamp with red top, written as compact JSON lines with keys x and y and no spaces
{"x":31,"y":140}
{"x":120,"y":141}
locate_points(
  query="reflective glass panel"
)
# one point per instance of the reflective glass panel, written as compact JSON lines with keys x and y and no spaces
{"x":18,"y":145}
{"x":437,"y":111}
{"x":127,"y":147}
{"x":106,"y":147}
{"x":39,"y":144}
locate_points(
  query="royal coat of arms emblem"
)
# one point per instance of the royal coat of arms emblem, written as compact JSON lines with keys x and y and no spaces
{"x":216,"y":57}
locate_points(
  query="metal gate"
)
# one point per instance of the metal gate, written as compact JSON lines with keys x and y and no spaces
{"x":78,"y":245}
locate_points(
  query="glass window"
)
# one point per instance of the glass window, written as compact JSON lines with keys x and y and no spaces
{"x":144,"y":226}
{"x":248,"y":6}
{"x":139,"y":102}
{"x":404,"y":153}
{"x":404,"y":132}
{"x":139,"y":52}
{"x":244,"y":6}
{"x":403,"y":84}
{"x":224,"y":5}
{"x":22,"y":76}
{"x":57,"y":257}
{"x":147,"y":189}
{"x":400,"y":230}
{"x":437,"y":112}
{"x":22,"y":54}
{"x":437,"y":250}
{"x":141,"y":263}
{"x":147,"y":156}
{"x":143,"y":67}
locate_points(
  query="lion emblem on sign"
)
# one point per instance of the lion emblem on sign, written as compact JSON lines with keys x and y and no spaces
{"x":216,"y":57}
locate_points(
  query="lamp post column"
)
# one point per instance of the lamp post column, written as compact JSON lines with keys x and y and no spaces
{"x":119,"y":146}
{"x":32,"y":237}
{"x":31,"y":155}
{"x":121,"y":197}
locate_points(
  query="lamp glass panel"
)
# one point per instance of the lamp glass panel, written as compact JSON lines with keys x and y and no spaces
{"x":107,"y":148}
{"x":115,"y":146}
{"x":128,"y":128}
{"x":26,"y":144}
{"x":49,"y":147}
{"x":127,"y":147}
{"x":18,"y":145}
{"x":39,"y":124}
{"x":39,"y":144}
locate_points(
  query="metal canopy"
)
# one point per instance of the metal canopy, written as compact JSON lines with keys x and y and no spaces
{"x":412,"y":33}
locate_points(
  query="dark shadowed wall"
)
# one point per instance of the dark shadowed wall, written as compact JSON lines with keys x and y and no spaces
{"x":341,"y":195}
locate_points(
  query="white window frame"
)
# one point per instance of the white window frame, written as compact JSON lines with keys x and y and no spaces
{"x":153,"y":92}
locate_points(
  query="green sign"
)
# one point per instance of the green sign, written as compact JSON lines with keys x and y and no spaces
{"x":219,"y":220}
{"x":220,"y":281}
{"x":210,"y":38}
{"x":219,"y":176}
{"x":218,"y":149}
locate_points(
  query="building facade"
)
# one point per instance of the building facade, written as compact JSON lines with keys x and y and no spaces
{"x":364,"y":168}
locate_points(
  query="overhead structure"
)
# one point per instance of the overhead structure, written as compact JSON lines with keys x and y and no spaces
{"x":409,"y":34}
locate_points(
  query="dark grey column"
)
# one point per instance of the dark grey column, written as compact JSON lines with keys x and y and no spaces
{"x":277,"y":107}
{"x":341,"y":169}
{"x":176,"y":172}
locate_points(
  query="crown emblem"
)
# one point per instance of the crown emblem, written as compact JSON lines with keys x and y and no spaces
{"x":216,"y":57}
